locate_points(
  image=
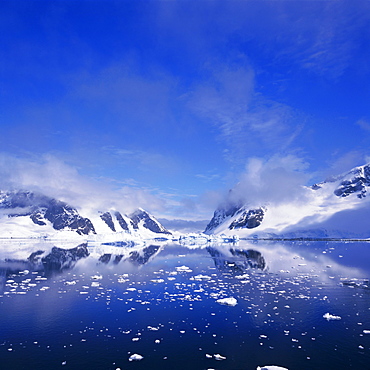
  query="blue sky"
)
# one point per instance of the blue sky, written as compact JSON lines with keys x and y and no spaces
{"x":168,"y":104}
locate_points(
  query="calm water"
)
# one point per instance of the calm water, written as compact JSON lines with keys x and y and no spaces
{"x":160,"y":302}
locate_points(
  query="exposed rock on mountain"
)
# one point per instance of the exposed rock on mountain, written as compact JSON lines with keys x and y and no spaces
{"x":337,"y":207}
{"x":248,"y":219}
{"x":149,"y":222}
{"x":42,"y":209}
{"x":25,"y":213}
{"x":221,"y":214}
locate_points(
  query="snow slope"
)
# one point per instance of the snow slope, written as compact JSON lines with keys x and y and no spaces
{"x":339,"y":207}
{"x":25,"y":214}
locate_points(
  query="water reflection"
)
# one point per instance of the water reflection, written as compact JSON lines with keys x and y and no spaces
{"x":237,"y":260}
{"x":95,"y":305}
{"x":344,"y":260}
{"x":136,"y":257}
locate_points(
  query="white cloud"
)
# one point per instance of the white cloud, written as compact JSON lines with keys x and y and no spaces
{"x":248,"y":122}
{"x":184,"y":226}
{"x":345,"y":162}
{"x":277,"y":180}
{"x":364,"y":124}
{"x":145,"y":160}
{"x":127,"y":93}
{"x":53,"y":177}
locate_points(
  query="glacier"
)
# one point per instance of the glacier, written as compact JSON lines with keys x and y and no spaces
{"x":28,"y":214}
{"x":336,"y":208}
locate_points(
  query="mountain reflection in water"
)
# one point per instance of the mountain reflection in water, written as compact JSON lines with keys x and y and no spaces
{"x":237,"y":260}
{"x":229,"y":306}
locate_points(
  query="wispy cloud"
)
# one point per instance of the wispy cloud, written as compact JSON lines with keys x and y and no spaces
{"x":127,"y":92}
{"x":322,"y":37}
{"x":208,"y":177}
{"x":146,"y":160}
{"x":53,"y":177}
{"x":344,"y":162}
{"x":276,"y":180}
{"x":364,"y":124}
{"x":184,"y":226}
{"x":248,"y":121}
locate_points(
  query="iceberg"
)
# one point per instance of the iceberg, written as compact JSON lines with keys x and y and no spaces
{"x":329,"y":316}
{"x":228,"y":301}
{"x":135,"y":357}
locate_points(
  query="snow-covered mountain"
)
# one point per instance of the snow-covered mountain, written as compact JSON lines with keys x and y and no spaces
{"x":337,"y":207}
{"x":31,"y":214}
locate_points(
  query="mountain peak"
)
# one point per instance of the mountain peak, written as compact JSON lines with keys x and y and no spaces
{"x":324,"y":208}
{"x":36,"y":213}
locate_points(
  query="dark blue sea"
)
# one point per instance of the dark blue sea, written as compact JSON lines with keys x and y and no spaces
{"x":299,"y":305}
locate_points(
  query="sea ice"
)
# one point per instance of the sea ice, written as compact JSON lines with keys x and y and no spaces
{"x":218,"y":357}
{"x":228,"y":301}
{"x":97,"y":277}
{"x":271,"y":367}
{"x":135,"y":357}
{"x":74,"y":282}
{"x":329,"y":316}
{"x":201,"y":277}
{"x":157,"y":280}
{"x":183,"y":269}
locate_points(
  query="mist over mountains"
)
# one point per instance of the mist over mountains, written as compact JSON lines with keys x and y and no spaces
{"x":336,"y":207}
{"x":26,"y":213}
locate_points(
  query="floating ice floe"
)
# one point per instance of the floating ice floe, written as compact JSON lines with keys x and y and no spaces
{"x":329,"y":316}
{"x":153,"y":328}
{"x":218,"y":357}
{"x":135,"y":357}
{"x":201,"y":277}
{"x":157,"y":281}
{"x":97,"y":277}
{"x":74,"y":282}
{"x":271,"y":367}
{"x":231,"y":301}
{"x":183,"y":269}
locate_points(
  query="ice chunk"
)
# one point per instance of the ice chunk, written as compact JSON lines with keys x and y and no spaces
{"x":183,"y":269}
{"x":218,"y":357}
{"x":152,"y":328}
{"x":271,"y":367}
{"x":201,"y":277}
{"x":157,"y":280}
{"x":329,"y":316}
{"x":135,"y":357}
{"x":231,"y":301}
{"x":73,"y":282}
{"x":97,"y":277}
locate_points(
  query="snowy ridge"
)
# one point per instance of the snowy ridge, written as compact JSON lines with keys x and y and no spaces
{"x":25,"y":214}
{"x":338,"y":207}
